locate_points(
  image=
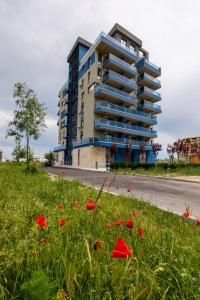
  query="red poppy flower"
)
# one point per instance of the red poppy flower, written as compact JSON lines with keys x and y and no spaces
{"x":129,"y":190}
{"x":60,"y":206}
{"x":139,"y":231}
{"x":118,"y":222}
{"x":62,"y":174}
{"x":133,"y":213}
{"x":129,"y":223}
{"x":90,"y":205}
{"x":97,"y":244}
{"x":62,"y":222}
{"x":186,"y":214}
{"x":198,"y":222}
{"x":43,"y":241}
{"x":41,"y":221}
{"x":121,"y":249}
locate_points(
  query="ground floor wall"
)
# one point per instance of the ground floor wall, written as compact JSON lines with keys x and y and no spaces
{"x":195,"y":160}
{"x":60,"y":158}
{"x":91,"y":157}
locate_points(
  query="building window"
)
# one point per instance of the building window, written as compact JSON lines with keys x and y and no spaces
{"x":91,"y":88}
{"x":83,"y":97}
{"x":123,"y":42}
{"x":132,"y":48}
{"x":99,"y":73}
{"x":79,"y":157}
{"x":99,"y":57}
{"x":88,"y":77}
{"x":141,"y":54}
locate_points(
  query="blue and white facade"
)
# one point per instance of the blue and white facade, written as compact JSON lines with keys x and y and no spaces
{"x":111,"y":103}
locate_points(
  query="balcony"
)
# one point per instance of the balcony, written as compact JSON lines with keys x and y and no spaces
{"x":145,"y":66}
{"x":150,"y":107}
{"x":105,"y":91}
{"x":107,"y":141}
{"x":121,"y":111}
{"x":146,"y":93}
{"x":119,"y":81}
{"x":59,"y":148}
{"x":106,"y":43}
{"x":118,"y":65}
{"x":148,"y":81}
{"x":115,"y":126}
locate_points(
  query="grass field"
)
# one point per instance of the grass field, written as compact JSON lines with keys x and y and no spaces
{"x":66,"y":262}
{"x":161,"y":169}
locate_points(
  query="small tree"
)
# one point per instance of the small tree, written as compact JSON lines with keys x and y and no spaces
{"x":29,"y":119}
{"x":156,"y":149}
{"x":113,"y":150}
{"x":50,"y":157}
{"x":18,"y":151}
{"x":171,"y":150}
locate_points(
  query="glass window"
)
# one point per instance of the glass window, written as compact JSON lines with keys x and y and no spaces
{"x":132,"y":47}
{"x":99,"y":57}
{"x":91,"y":88}
{"x":123,"y":42}
{"x":141,"y":54}
{"x":99,"y":73}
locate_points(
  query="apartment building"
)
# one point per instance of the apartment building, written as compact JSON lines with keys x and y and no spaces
{"x":110,"y":102}
{"x":192,"y":146}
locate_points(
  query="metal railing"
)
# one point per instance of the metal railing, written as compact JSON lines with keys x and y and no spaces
{"x":119,"y":62}
{"x":125,"y":110}
{"x":155,"y":106}
{"x":147,"y":76}
{"x":122,"y":79}
{"x":124,"y":126}
{"x":111,"y":140}
{"x":118,"y":93}
{"x":150,"y":91}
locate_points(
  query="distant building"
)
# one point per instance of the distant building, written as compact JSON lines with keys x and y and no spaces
{"x":193,"y":148}
{"x":107,"y":110}
{"x":1,"y":155}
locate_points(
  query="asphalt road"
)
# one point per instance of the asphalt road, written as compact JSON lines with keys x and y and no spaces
{"x":165,"y":193}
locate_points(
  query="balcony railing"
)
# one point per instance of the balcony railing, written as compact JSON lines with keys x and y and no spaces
{"x":130,"y":54}
{"x":125,"y":112}
{"x":59,"y":148}
{"x":148,"y":67}
{"x":121,"y":64}
{"x":152,"y":106}
{"x":123,"y":127}
{"x":122,"y":80}
{"x":148,"y":93}
{"x":115,"y":93}
{"x":109,"y":140}
{"x":149,"y":81}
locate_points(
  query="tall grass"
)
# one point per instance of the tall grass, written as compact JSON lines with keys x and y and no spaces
{"x":61,"y":263}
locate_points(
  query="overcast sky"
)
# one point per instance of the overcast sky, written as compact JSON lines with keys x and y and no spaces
{"x":36,"y":36}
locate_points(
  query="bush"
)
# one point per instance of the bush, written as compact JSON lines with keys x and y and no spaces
{"x":132,"y":166}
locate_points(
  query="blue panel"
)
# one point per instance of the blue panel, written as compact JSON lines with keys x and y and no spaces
{"x":151,"y":157}
{"x":82,"y":50}
{"x":135,"y":156}
{"x":119,"y":156}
